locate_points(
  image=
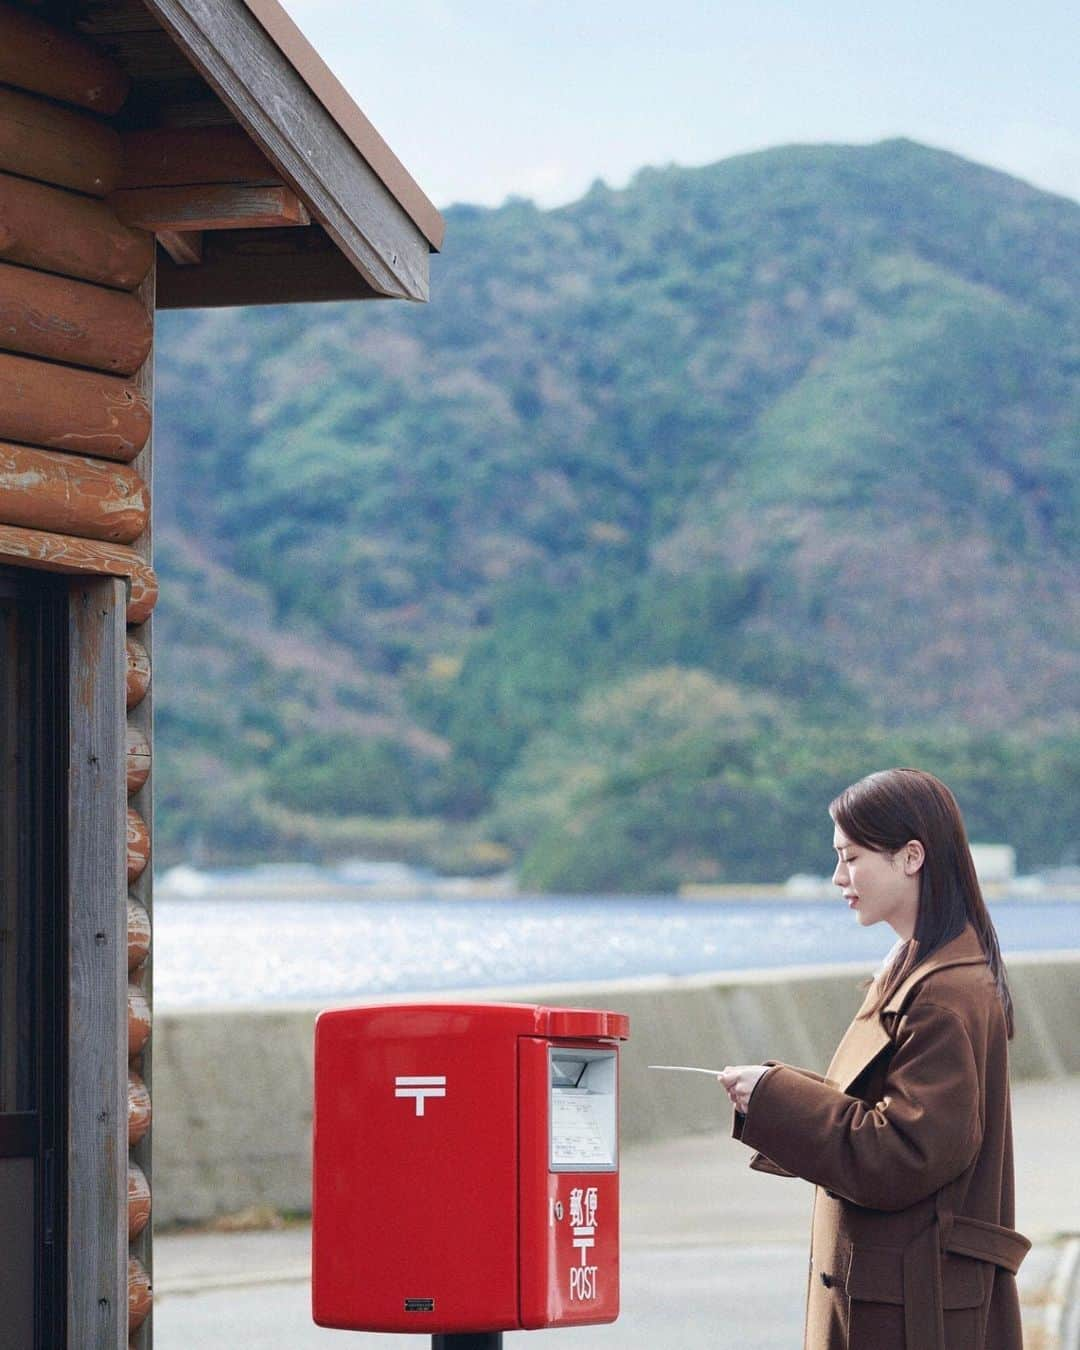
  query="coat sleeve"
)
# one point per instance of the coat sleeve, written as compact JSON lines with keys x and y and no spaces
{"x":759,"y":1162}
{"x":921,"y":1134}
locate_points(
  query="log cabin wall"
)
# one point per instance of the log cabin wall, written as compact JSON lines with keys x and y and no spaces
{"x":214,"y":126}
{"x":76,"y":335}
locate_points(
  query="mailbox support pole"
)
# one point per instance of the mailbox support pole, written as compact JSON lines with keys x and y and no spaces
{"x":469,"y":1340}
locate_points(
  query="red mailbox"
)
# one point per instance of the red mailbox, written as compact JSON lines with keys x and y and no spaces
{"x":466,"y":1168}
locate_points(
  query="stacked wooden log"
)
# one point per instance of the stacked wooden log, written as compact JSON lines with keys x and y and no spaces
{"x":76,"y":329}
{"x":73,"y":336}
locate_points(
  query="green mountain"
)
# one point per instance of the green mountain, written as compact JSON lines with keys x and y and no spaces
{"x":677,"y":508}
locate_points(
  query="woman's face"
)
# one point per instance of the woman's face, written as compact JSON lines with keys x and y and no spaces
{"x":879,"y":886}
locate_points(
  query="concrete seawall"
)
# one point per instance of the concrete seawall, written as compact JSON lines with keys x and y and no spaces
{"x":232,"y":1088}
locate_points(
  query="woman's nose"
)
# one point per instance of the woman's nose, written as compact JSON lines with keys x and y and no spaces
{"x":839,"y":875}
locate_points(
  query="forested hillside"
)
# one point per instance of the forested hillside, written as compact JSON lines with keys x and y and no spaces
{"x":677,"y":508}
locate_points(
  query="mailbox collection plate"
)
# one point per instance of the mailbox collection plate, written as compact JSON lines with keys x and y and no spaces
{"x":582,"y":1110}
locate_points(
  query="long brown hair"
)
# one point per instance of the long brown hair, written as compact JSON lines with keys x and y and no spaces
{"x":885,"y":810}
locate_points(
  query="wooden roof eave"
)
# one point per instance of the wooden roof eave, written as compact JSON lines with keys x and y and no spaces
{"x":291,"y":124}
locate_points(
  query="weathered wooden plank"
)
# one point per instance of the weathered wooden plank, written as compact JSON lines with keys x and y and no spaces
{"x":57,"y":145}
{"x":21,"y":547}
{"x":72,"y":321}
{"x":138,"y":672}
{"x":97,"y":1003}
{"x":179,"y":156}
{"x":184,"y":247}
{"x":138,"y":845}
{"x":60,"y":231}
{"x":138,"y":758}
{"x":91,"y":498}
{"x":209,"y":206}
{"x":300,"y":138}
{"x":55,"y":62}
{"x":63,"y":408}
{"x":333,"y":96}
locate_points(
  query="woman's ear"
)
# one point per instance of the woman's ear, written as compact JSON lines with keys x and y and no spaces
{"x":914,"y":857}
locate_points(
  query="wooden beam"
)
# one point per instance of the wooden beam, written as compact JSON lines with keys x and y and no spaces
{"x":150,"y":54}
{"x":52,"y":61}
{"x":57,"y":145}
{"x":258,"y":82}
{"x":262,"y":267}
{"x":20,"y":547}
{"x":59,"y":231}
{"x":97,"y":981}
{"x":322,"y":82}
{"x":91,"y":498}
{"x":180,"y":156}
{"x":184,"y":247}
{"x":71,"y":321}
{"x":210,"y":206}
{"x":78,"y":411}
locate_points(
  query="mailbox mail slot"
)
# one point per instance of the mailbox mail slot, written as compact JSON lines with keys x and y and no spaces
{"x":466,"y":1168}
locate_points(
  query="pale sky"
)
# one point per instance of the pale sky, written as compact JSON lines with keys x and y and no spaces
{"x":482,"y":99}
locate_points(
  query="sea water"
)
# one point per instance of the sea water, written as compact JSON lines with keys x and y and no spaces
{"x":210,"y":952}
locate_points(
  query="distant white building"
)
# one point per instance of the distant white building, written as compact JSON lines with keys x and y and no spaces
{"x":995,"y":864}
{"x":806,"y":886}
{"x":182,"y":880}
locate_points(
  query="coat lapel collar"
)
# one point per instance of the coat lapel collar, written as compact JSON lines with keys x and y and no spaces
{"x":863,"y":1041}
{"x":866,"y":1037}
{"x":964,"y":950}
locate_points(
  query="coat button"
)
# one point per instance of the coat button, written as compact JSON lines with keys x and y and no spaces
{"x":827,"y":1280}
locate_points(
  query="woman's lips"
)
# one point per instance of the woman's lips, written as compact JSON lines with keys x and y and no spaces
{"x":852,"y":900}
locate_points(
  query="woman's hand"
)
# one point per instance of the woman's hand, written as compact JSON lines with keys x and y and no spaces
{"x":739,"y":1081}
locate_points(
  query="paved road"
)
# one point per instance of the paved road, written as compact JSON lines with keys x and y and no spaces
{"x":714,"y":1255}
{"x":679,"y":1297}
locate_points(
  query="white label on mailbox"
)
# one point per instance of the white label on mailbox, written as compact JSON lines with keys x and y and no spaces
{"x":577,"y":1138}
{"x":584,"y":1204}
{"x":420,"y":1087}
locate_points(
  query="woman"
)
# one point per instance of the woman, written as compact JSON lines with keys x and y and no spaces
{"x":908,"y":1137}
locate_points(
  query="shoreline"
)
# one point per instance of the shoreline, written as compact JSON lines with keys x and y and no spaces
{"x":1000,"y":892}
{"x":473,"y":889}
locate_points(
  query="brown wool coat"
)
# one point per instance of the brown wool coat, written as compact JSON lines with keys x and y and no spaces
{"x":908,"y":1141}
